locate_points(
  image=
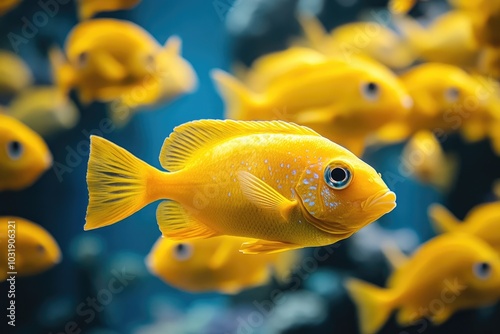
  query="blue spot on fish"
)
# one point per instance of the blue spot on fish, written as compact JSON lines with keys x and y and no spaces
{"x":306,"y":181}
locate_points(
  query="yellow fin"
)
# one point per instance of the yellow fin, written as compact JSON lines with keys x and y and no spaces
{"x":176,"y":224}
{"x":443,"y":220}
{"x":374,"y":304}
{"x":314,"y":31}
{"x":264,"y":196}
{"x":62,"y":73}
{"x":266,"y":247}
{"x":173,"y":45}
{"x":116,"y":182}
{"x":221,"y":255}
{"x":392,"y":133}
{"x":187,"y":140}
{"x":442,"y":316}
{"x":484,"y":212}
{"x":238,"y":99}
{"x":394,"y":256}
{"x":399,"y":7}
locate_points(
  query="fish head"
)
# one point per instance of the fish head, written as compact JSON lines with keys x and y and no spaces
{"x":24,"y":155}
{"x":38,"y":248}
{"x":344,"y":192}
{"x":377,"y":96}
{"x":183,"y":263}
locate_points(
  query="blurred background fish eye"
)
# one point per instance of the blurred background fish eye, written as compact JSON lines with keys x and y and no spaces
{"x":423,"y":110}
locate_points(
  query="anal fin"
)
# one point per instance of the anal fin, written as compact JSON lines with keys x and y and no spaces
{"x":176,"y":224}
{"x":266,"y":247}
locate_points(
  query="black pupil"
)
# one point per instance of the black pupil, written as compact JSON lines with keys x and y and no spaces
{"x":15,"y":146}
{"x":484,"y":267}
{"x":338,"y":174}
{"x":181,"y":248}
{"x":371,"y":87}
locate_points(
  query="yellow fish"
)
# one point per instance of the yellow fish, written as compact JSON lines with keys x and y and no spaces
{"x":45,"y":110}
{"x":215,"y":264}
{"x":482,"y":221}
{"x":35,"y":249}
{"x":359,"y":38}
{"x":15,"y":75}
{"x":7,"y":5}
{"x":424,"y":156}
{"x":344,"y":102}
{"x":89,"y":8}
{"x":267,"y":68}
{"x":425,"y":286}
{"x":107,"y":58}
{"x":448,"y":39}
{"x":274,"y":181}
{"x":175,"y":77}
{"x":445,"y":98}
{"x":24,"y":156}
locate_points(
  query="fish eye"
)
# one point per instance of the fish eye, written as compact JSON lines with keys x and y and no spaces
{"x":452,"y":94}
{"x":40,"y":249}
{"x":183,"y":251}
{"x":83,"y":59}
{"x":338,"y":177}
{"x":150,"y":62}
{"x":15,"y":149}
{"x":482,"y":270}
{"x":370,"y":90}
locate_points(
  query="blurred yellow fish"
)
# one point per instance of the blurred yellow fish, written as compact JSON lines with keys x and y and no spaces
{"x":108,"y":58}
{"x":45,"y":110}
{"x":359,"y":38}
{"x":267,"y":68}
{"x":482,"y":221}
{"x":444,"y":96}
{"x":24,"y":156}
{"x":426,"y":286}
{"x":344,"y":102}
{"x":399,"y":7}
{"x":35,"y":249}
{"x":15,"y":75}
{"x":7,"y":5}
{"x":175,"y":77}
{"x":89,"y":8}
{"x":448,"y":39}
{"x":274,"y":181}
{"x":215,"y":264}
{"x":425,"y":158}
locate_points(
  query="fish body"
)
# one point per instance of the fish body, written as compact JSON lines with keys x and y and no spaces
{"x":24,"y":155}
{"x":445,"y":99}
{"x":277,"y":182}
{"x":89,"y":8}
{"x":215,"y":264}
{"x":106,"y":58}
{"x":426,"y":159}
{"x":35,"y":249}
{"x":468,"y":278}
{"x":349,"y":40}
{"x":482,"y":221}
{"x":15,"y":75}
{"x":343,"y":101}
{"x":448,"y":39}
{"x":174,"y":77}
{"x":44,"y":109}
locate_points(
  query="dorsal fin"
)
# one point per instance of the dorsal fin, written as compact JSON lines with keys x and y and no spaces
{"x":188,"y":139}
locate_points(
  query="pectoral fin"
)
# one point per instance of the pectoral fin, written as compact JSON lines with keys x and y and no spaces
{"x":266,"y":247}
{"x":221,"y":255}
{"x":109,"y":67}
{"x":264,"y":196}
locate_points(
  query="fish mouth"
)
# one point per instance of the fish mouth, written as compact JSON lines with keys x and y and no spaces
{"x":383,"y":201}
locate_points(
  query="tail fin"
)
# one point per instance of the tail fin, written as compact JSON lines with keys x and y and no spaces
{"x":117,"y":184}
{"x":62,"y":73}
{"x":238,"y":99}
{"x":374,"y":304}
{"x":442,"y":219}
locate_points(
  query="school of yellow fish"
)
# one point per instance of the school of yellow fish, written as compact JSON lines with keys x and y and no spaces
{"x":284,"y":171}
